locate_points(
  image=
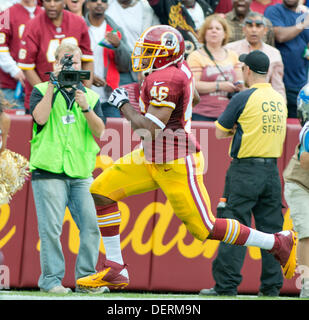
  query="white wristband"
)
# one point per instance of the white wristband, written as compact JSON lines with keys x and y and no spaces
{"x":154,"y":119}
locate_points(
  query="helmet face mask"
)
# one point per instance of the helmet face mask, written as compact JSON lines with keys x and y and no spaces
{"x":303,"y":105}
{"x":157,"y":48}
{"x":144,"y":55}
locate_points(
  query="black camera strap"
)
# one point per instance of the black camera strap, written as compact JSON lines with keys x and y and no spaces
{"x":65,"y":94}
{"x":214,"y":61}
{"x":67,"y":97}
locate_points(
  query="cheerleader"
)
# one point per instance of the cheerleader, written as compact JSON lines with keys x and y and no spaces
{"x":13,"y":166}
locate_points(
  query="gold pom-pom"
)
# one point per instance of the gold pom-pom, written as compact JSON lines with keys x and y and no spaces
{"x":14,"y":168}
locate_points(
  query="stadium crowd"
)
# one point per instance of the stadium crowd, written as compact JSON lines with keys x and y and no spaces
{"x":216,"y":33}
{"x":188,"y":16}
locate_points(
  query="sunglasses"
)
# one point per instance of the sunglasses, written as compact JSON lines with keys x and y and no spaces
{"x":103,"y":1}
{"x":258,"y":23}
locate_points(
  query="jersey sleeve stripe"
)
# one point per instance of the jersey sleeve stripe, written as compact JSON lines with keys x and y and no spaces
{"x":4,"y":49}
{"x":86,"y":57}
{"x":25,"y":66}
{"x":219,"y":126}
{"x":163,"y":104}
{"x":186,"y":71}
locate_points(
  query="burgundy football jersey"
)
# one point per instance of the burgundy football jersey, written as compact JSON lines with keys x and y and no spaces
{"x":41,"y":39}
{"x":171,"y":87}
{"x":10,"y":36}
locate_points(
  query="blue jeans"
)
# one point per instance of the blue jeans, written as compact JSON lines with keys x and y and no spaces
{"x":51,"y":197}
{"x":9,"y":95}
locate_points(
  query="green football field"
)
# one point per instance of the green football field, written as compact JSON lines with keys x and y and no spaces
{"x":145,"y":305}
{"x":127,"y":295}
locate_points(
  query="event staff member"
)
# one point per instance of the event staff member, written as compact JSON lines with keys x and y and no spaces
{"x":62,"y":159}
{"x":256,"y":119}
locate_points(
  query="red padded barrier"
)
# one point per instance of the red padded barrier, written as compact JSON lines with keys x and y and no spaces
{"x":159,"y":251}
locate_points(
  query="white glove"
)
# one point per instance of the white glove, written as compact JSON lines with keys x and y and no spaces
{"x":303,"y":132}
{"x":119,"y":97}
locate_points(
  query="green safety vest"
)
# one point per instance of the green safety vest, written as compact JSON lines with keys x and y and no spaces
{"x":65,"y":148}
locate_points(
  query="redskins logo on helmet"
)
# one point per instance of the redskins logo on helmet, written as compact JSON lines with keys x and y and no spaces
{"x":157,"y":48}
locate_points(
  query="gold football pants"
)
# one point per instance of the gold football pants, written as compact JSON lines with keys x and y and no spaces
{"x":181,"y":181}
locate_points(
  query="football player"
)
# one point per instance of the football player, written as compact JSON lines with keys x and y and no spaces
{"x":170,"y":159}
{"x":43,"y":35}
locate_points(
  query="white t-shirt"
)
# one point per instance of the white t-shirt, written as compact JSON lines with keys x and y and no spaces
{"x":96,"y":34}
{"x":31,"y":11}
{"x":197,"y":14}
{"x":129,"y":19}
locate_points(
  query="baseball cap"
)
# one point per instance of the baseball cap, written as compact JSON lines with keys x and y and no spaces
{"x":256,"y":60}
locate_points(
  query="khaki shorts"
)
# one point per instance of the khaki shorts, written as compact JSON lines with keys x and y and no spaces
{"x":297,"y":199}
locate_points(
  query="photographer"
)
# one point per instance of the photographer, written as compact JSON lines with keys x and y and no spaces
{"x":66,"y":115}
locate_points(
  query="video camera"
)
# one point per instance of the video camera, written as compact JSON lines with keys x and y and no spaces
{"x":68,"y":77}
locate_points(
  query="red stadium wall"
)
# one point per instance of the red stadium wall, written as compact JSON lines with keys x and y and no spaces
{"x":159,"y":251}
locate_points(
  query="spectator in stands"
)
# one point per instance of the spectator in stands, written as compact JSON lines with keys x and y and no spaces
{"x":214,"y":4}
{"x":292,"y":37}
{"x":175,"y":14}
{"x":43,"y":35}
{"x":108,"y":61}
{"x":216,"y":70}
{"x":254,"y":30}
{"x":10,"y":36}
{"x":64,"y":178}
{"x":125,"y":12}
{"x":296,"y":192}
{"x":198,"y":10}
{"x":236,"y":19}
{"x":261,"y":5}
{"x":75,"y":6}
{"x":223,"y":6}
